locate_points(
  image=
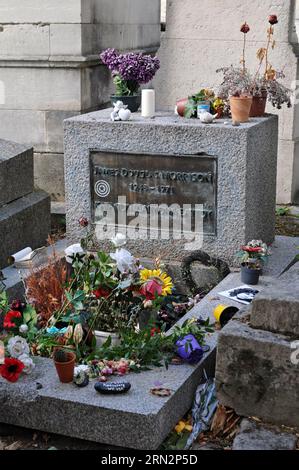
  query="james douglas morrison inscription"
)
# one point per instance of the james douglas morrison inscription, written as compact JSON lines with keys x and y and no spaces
{"x":155,"y":180}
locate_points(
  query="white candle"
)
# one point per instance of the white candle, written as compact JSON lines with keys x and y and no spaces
{"x":148,"y":103}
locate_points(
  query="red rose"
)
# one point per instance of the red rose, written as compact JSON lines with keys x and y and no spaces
{"x":151,"y":289}
{"x":101,"y":292}
{"x":273,"y":19}
{"x":8,"y":319}
{"x":155,"y":331}
{"x":11,"y":369}
{"x":83,"y":222}
{"x":245,"y":28}
{"x":251,"y":249}
{"x":122,"y":370}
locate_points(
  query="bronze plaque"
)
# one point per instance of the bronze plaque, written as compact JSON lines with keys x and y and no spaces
{"x":155,"y":179}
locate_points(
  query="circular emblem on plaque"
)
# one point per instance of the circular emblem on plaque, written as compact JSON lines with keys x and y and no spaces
{"x":102,"y":188}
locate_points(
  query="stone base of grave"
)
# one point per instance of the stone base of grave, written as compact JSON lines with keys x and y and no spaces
{"x":136,"y":420}
{"x":230,"y":171}
{"x":257,"y":362}
{"x":24,"y":222}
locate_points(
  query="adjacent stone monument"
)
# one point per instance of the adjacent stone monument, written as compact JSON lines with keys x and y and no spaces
{"x":24,"y":213}
{"x":230,"y":171}
{"x":258,"y":356}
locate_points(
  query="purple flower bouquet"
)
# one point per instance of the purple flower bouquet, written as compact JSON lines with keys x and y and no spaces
{"x":129,"y":71}
{"x":188,"y":349}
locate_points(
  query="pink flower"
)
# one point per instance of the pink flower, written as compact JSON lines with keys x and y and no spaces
{"x":151,"y":289}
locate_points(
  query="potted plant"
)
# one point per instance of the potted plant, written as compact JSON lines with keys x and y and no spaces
{"x":253,"y":256}
{"x":205,"y":99}
{"x":266,"y":85}
{"x":248,"y":93}
{"x":235,"y":87}
{"x":129,"y":71}
{"x":65,"y":364}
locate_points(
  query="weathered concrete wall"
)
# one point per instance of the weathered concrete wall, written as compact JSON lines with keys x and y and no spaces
{"x":203,"y":36}
{"x":50,"y":69}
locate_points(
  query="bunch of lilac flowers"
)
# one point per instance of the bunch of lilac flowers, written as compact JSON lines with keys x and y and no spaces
{"x":134,"y":69}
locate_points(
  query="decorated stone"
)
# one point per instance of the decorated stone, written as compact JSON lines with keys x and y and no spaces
{"x":81,"y":379}
{"x":112,"y":388}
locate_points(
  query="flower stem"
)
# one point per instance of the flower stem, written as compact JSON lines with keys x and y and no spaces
{"x":270,"y":33}
{"x":244,"y":49}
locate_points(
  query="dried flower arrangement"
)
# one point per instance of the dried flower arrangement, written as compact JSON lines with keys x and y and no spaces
{"x":45,"y":287}
{"x":239,"y":82}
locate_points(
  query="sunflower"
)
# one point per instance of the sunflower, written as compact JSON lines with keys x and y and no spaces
{"x":159,"y":276}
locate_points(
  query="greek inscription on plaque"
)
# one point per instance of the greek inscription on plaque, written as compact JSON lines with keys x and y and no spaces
{"x":155,"y":179}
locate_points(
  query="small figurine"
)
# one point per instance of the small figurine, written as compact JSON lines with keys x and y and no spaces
{"x":206,"y":118}
{"x":120,"y":112}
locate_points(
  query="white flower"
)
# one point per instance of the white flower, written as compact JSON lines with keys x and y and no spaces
{"x":119,"y":240}
{"x":78,"y":334}
{"x":71,"y":251}
{"x":124,"y":260}
{"x":69,"y":332}
{"x":28,"y":363}
{"x":81,"y":368}
{"x":17,"y":346}
{"x":23,"y":329}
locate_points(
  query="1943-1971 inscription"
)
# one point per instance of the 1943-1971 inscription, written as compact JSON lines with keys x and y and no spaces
{"x":156,"y":179}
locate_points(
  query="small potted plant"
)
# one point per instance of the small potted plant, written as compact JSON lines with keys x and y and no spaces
{"x":204,"y":99}
{"x":266,"y":85}
{"x":65,"y":364}
{"x":236,"y":87}
{"x":129,"y":71}
{"x":237,"y":84}
{"x":247,"y":92}
{"x":253,"y":256}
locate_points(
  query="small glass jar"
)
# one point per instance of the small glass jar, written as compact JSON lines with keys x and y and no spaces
{"x":203,"y":107}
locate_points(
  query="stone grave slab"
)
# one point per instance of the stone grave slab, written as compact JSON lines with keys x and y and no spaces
{"x":255,"y":375}
{"x":277,"y":308}
{"x":24,"y":222}
{"x":16,"y":171}
{"x":136,"y":420}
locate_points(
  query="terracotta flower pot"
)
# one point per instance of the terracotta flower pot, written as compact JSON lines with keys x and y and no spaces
{"x":240,"y":107}
{"x":258,"y":105}
{"x":181,"y":106}
{"x":65,"y":370}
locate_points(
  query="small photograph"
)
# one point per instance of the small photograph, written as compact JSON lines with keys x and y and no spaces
{"x":243,"y":294}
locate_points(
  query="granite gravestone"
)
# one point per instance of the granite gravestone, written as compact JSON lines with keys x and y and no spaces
{"x":24,"y":212}
{"x":237,"y":167}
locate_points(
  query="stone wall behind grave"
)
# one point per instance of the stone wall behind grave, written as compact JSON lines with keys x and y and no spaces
{"x":50,"y":69}
{"x":202,"y":36}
